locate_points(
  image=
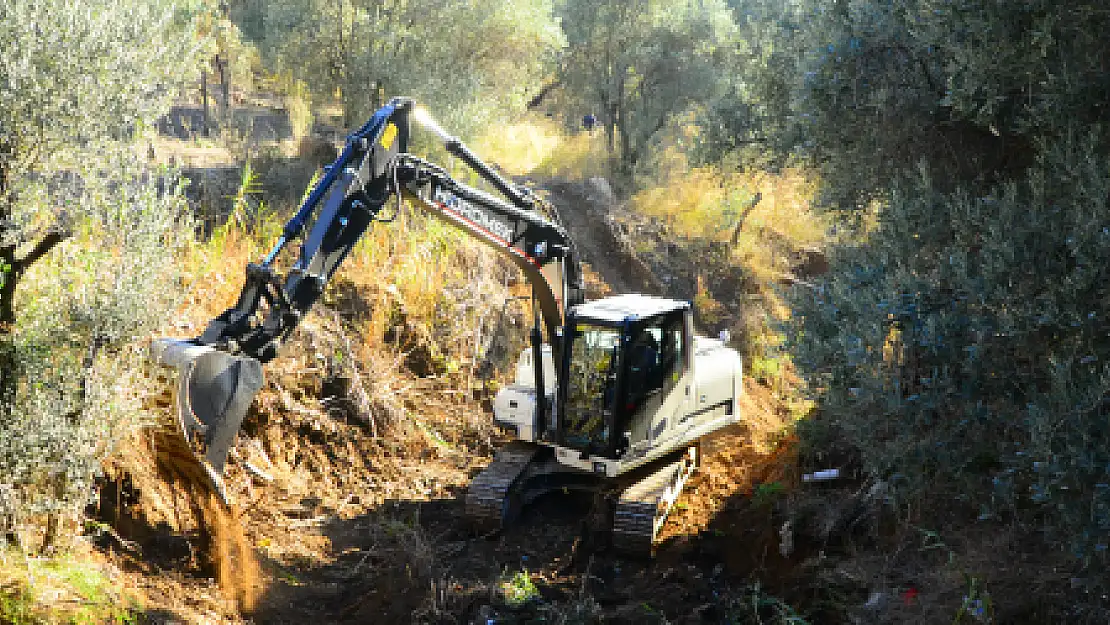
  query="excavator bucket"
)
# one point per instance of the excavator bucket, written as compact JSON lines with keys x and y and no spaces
{"x":214,"y":391}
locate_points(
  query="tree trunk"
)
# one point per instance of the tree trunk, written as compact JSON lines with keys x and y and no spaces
{"x":7,"y":289}
{"x":221,"y":66}
{"x":204,"y":99}
{"x":16,"y":268}
{"x":8,"y":363}
{"x":622,"y":127}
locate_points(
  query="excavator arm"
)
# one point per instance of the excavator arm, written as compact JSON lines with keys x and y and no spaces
{"x":221,"y":370}
{"x":373,"y":171}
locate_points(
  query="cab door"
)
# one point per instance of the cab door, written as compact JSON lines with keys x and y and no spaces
{"x":658,"y":392}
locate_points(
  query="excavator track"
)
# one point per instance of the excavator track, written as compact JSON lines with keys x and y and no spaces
{"x":489,"y":500}
{"x":643,"y":507}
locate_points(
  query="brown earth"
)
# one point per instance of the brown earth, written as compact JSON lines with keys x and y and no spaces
{"x":355,"y":512}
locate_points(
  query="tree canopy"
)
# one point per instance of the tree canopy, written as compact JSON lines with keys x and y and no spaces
{"x":88,"y":234}
{"x":470,"y":62}
{"x":637,"y":63}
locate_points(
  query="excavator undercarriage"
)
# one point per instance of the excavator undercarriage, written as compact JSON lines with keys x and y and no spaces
{"x":629,"y":510}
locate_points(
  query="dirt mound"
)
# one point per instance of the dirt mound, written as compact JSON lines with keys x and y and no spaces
{"x":585,"y":213}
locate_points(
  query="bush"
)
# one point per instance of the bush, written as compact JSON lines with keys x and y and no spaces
{"x":866,"y":90}
{"x":87,"y":238}
{"x":962,"y":348}
{"x":78,"y":371}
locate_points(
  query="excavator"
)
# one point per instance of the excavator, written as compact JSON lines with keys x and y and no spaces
{"x":610,"y":396}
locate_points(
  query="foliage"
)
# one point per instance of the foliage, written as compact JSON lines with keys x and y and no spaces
{"x":636,"y":63}
{"x":865,"y":90}
{"x":67,"y":81}
{"x":958,"y":342}
{"x":962,"y":347}
{"x":365,"y":52}
{"x":87,"y":234}
{"x":517,"y":589}
{"x":16,"y":608}
{"x":68,"y":90}
{"x":80,"y":378}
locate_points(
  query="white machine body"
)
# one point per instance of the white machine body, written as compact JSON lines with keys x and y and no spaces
{"x":697,"y":394}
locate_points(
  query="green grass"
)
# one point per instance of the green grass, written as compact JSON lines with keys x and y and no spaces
{"x":60,"y":590}
{"x":16,"y":608}
{"x":539,"y":146}
{"x":517,"y":589}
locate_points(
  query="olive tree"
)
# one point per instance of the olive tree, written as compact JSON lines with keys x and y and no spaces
{"x":958,"y":346}
{"x":87,"y":234}
{"x":470,"y":62}
{"x":637,"y":63}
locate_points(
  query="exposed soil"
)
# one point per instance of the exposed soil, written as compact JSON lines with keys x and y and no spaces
{"x":584,"y":210}
{"x":356,"y":529}
{"x":354,"y":513}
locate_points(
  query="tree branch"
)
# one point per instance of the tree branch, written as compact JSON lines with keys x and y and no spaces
{"x":48,"y":242}
{"x":15,"y":270}
{"x":545,"y":90}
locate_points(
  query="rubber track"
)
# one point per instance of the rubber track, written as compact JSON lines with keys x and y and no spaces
{"x":489,"y":491}
{"x":642,"y":507}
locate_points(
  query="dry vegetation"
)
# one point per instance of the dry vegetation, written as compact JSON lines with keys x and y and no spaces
{"x":374,"y":420}
{"x":951,"y":336}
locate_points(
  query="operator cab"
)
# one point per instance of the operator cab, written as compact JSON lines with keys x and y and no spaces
{"x":622,"y":357}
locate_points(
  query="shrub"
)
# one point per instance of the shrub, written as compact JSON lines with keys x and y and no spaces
{"x":87,"y":238}
{"x":77,"y":379}
{"x":962,"y":348}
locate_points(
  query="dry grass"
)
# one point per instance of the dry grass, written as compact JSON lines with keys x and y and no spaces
{"x":411,"y":285}
{"x":738,"y":237}
{"x":759,"y":214}
{"x":521,"y":147}
{"x":539,"y":146}
{"x":580,"y":156}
